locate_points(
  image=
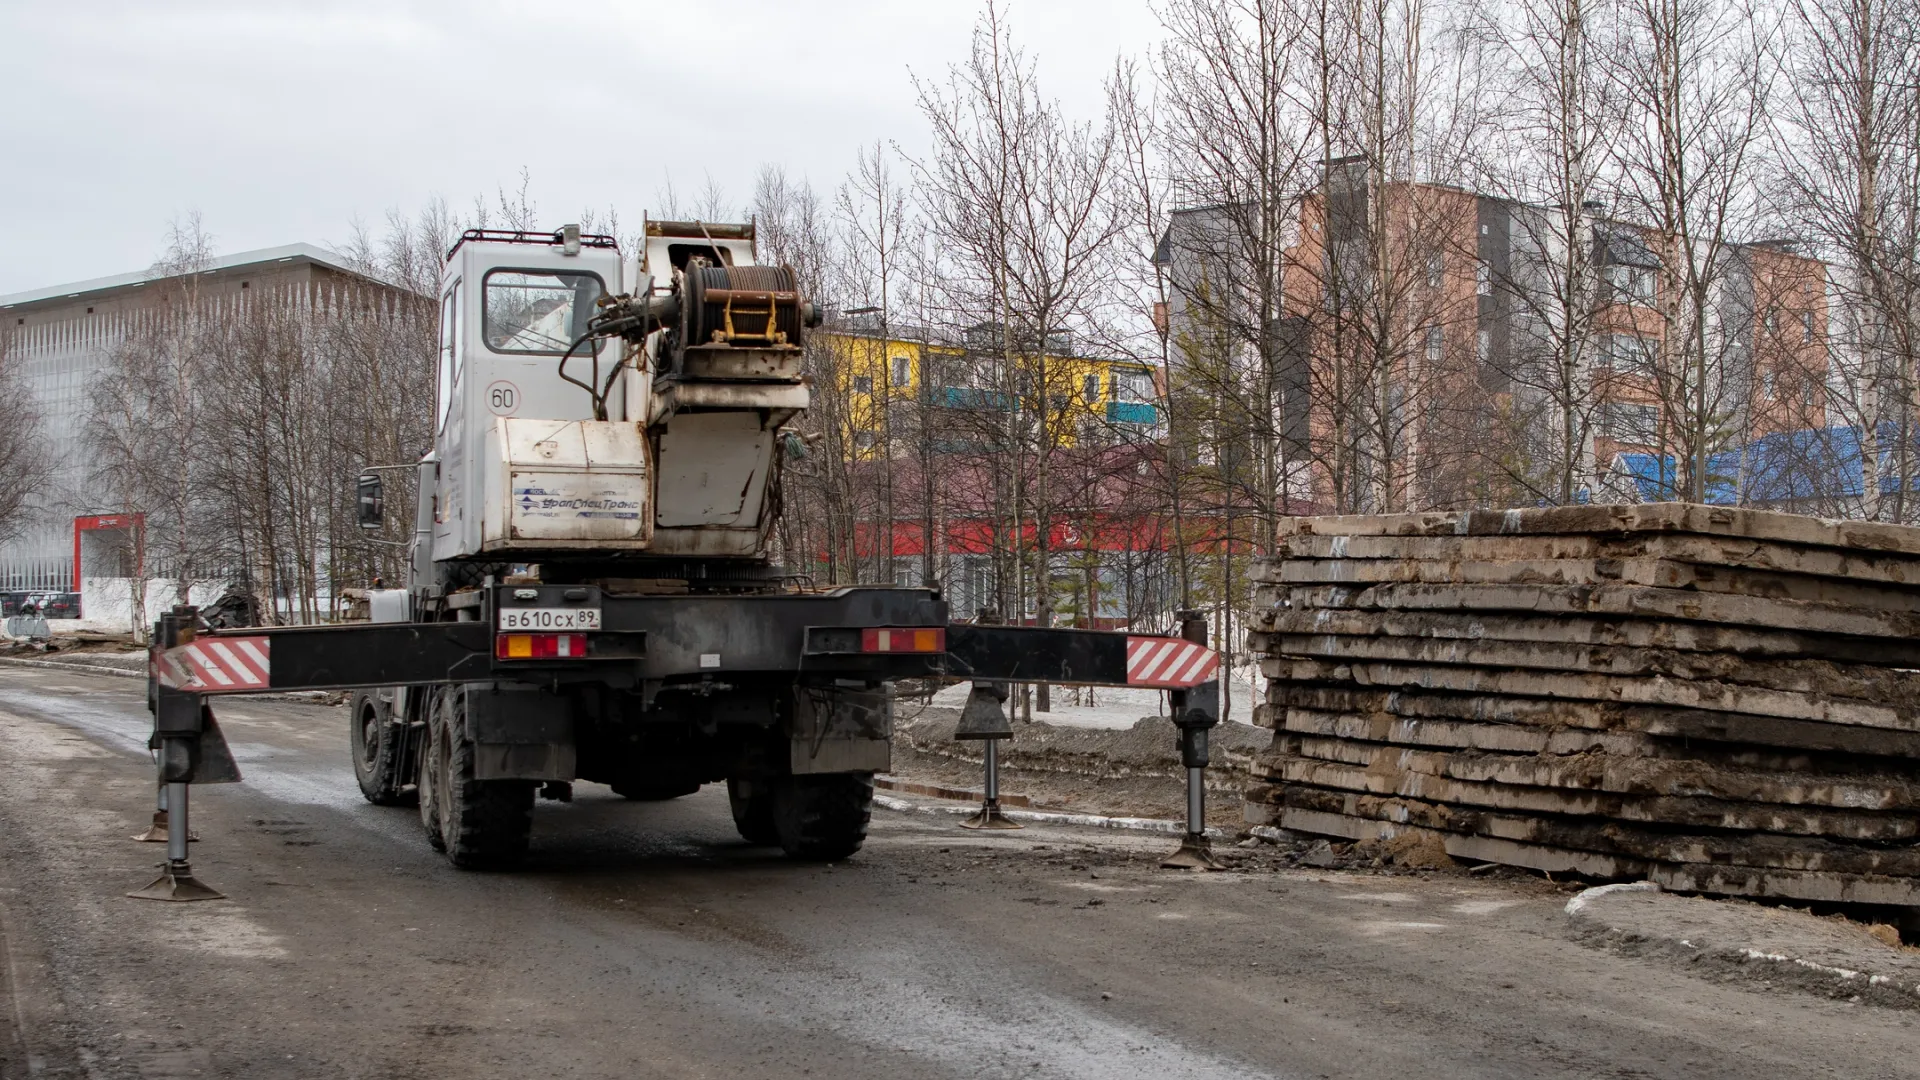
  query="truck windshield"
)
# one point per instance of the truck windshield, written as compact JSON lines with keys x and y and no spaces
{"x":537,"y":311}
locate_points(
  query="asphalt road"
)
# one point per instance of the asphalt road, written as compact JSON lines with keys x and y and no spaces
{"x":645,"y":940}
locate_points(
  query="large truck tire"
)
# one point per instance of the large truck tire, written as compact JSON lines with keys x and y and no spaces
{"x":653,"y":790}
{"x":376,"y":750}
{"x":427,"y":783}
{"x":824,"y":817}
{"x":480,"y":824}
{"x":752,"y":804}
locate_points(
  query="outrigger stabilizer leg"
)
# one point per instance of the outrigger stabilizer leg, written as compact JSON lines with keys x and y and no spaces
{"x":1195,"y":711}
{"x":157,"y":832}
{"x":985,"y":719}
{"x":190,"y":748}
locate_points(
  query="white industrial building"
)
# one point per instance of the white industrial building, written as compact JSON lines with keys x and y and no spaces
{"x":62,"y":338}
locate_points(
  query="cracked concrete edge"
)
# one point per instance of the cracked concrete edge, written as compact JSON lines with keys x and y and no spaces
{"x":1046,"y":817}
{"x":1807,"y":974}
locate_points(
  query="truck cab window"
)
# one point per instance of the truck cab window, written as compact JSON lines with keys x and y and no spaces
{"x":538,"y":311}
{"x":449,"y":343}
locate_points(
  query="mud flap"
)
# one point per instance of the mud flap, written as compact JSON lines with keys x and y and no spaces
{"x":520,"y":733}
{"x":839,"y":731}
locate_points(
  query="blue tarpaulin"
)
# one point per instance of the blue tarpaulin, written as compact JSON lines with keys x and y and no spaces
{"x":1791,"y":466}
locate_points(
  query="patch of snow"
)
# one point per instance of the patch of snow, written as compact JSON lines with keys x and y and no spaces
{"x":1587,"y":896}
{"x":1115,"y":708}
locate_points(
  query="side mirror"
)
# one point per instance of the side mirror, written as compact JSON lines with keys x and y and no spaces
{"x":371,"y":500}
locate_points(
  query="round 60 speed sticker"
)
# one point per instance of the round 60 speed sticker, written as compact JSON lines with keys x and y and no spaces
{"x":503,"y":398}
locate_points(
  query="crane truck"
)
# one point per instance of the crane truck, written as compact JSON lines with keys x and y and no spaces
{"x":590,"y":594}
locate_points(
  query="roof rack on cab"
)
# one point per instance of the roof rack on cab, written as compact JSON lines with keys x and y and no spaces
{"x":512,"y":236}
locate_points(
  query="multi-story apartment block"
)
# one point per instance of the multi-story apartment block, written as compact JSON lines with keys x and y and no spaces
{"x":1426,"y":345}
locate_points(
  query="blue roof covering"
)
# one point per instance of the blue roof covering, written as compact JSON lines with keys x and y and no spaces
{"x":1809,"y":463}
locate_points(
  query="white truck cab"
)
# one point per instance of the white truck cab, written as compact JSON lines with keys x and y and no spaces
{"x":671,"y":462}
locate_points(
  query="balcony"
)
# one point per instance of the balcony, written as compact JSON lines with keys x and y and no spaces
{"x":1132,"y":412}
{"x":970,"y":398}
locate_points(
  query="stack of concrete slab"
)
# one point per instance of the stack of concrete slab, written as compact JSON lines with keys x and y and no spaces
{"x":1720,"y":700}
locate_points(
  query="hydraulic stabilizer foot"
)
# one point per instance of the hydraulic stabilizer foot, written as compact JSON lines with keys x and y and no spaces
{"x":985,"y":719}
{"x":1194,"y":712}
{"x":1196,"y":853}
{"x":990,"y":815}
{"x":157,"y":832}
{"x":176,"y":882}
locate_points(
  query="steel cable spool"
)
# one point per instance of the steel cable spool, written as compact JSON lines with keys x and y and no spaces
{"x":712,"y":289}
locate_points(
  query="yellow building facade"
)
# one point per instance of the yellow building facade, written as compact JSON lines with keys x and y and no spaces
{"x":1083,"y":400}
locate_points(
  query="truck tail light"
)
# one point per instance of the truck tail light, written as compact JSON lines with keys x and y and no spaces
{"x":539,"y":646}
{"x":913,"y":639}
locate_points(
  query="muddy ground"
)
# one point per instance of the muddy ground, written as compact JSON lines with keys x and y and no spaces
{"x":646,"y":940}
{"x":1134,"y":772}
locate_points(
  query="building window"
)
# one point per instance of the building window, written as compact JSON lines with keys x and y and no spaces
{"x":902,"y":371}
{"x":1806,"y":326}
{"x":1630,"y":284}
{"x":1436,"y":342}
{"x":1483,"y":345}
{"x":1628,"y":422}
{"x":1766,"y":384}
{"x":1773,"y":320}
{"x":863,"y":440}
{"x":1810,"y":394}
{"x":1436,"y":270}
{"x":1624,"y":352}
{"x":863,"y":384}
{"x":1090,"y":389}
{"x":1483,"y":278}
{"x":1133,"y":385}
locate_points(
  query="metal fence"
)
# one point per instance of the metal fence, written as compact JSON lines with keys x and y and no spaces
{"x":46,"y":574}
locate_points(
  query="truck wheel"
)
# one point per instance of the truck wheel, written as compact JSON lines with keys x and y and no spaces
{"x":428,"y":783}
{"x":752,"y":802}
{"x":654,"y":791}
{"x":376,"y":749}
{"x":823,"y":818}
{"x":484,"y":824}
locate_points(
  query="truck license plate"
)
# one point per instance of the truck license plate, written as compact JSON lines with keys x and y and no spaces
{"x":544,"y":618}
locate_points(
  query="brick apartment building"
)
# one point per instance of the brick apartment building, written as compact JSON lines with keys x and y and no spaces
{"x":1445,"y":302}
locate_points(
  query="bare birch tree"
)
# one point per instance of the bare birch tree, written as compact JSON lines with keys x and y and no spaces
{"x":1693,"y":87}
{"x":25,"y":460}
{"x":1848,"y":141}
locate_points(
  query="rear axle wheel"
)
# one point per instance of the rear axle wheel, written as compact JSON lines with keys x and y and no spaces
{"x":822,"y":818}
{"x":480,"y":824}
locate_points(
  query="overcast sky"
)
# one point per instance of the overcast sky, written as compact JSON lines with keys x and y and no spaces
{"x":283,"y":122}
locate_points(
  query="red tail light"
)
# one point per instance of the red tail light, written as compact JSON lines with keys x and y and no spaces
{"x":915,"y":639}
{"x":539,"y":646}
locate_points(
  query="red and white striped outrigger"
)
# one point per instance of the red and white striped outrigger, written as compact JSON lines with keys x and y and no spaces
{"x":1169,"y":663}
{"x":231,"y":665}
